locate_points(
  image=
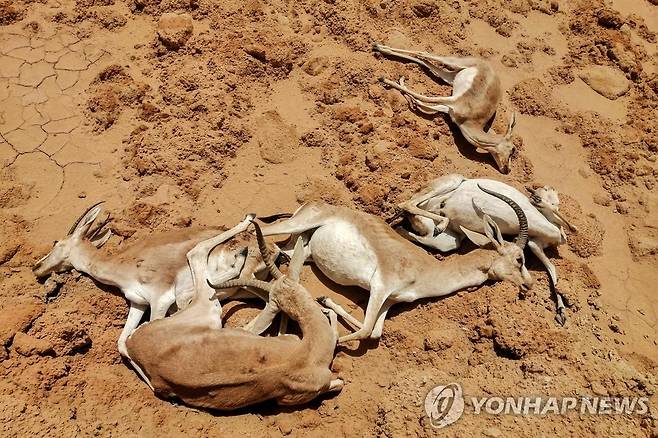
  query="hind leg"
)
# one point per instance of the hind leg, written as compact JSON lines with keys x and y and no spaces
{"x":421,"y":99}
{"x":444,"y":242}
{"x":444,"y":68}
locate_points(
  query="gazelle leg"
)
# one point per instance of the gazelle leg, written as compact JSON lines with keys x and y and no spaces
{"x":561,"y":311}
{"x":336,"y":385}
{"x":135,"y":315}
{"x":379,"y":325}
{"x":263,"y":320}
{"x":412,"y":207}
{"x":424,"y":108}
{"x":444,"y":242}
{"x":283,"y":324}
{"x":330,"y":304}
{"x":333,"y":320}
{"x":445,"y":100}
{"x":159,"y":309}
{"x":375,"y":304}
{"x":439,"y":66}
{"x":197,"y":257}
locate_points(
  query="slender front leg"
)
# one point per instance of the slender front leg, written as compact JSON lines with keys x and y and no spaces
{"x":160,"y":308}
{"x":379,"y":325}
{"x":263,"y":320}
{"x":561,"y":310}
{"x":337,"y":308}
{"x":333,"y":320}
{"x":412,"y":207}
{"x":375,"y":304}
{"x":135,"y":315}
{"x":197,"y":257}
{"x":444,"y":242}
{"x":283,"y":324}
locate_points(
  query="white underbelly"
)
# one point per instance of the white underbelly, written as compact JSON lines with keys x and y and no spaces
{"x":463,"y":81}
{"x":343,"y":255}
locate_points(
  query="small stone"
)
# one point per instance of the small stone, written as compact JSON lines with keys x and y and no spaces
{"x":27,"y":345}
{"x":174,"y":30}
{"x":606,"y":81}
{"x":20,"y":317}
{"x":598,"y":389}
{"x":422,"y":149}
{"x":315,"y":66}
{"x":602,"y":199}
{"x":285,"y":425}
{"x":438,"y":340}
{"x":492,"y":432}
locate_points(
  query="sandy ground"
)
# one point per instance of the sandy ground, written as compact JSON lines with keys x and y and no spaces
{"x":269,"y":104}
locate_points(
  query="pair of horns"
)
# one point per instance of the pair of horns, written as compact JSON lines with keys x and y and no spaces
{"x":522,"y":239}
{"x":269,"y":259}
{"x":95,"y":230}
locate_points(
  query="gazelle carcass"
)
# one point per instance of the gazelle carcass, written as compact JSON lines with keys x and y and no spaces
{"x":354,"y":248}
{"x":189,"y":355}
{"x":476,"y":94}
{"x":448,"y":205}
{"x":151,"y":272}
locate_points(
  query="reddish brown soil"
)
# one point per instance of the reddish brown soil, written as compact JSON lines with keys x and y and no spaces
{"x":269,"y":104}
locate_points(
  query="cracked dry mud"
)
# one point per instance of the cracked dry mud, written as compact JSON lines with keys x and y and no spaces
{"x":270,"y":104}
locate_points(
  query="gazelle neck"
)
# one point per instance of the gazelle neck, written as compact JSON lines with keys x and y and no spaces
{"x":457,"y":273}
{"x":318,"y":339}
{"x":92,"y":261}
{"x":476,"y":135}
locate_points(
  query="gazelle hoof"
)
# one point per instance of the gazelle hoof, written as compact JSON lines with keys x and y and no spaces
{"x":322,"y":300}
{"x":561,"y":318}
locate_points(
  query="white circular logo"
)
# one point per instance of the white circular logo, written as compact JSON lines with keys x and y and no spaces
{"x":444,"y":404}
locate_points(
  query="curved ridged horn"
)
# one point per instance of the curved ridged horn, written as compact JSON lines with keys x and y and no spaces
{"x":265,"y":252}
{"x":75,"y":225}
{"x":522,"y":238}
{"x":242,"y":282}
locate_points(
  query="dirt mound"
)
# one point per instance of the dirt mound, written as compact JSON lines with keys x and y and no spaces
{"x":263,"y":106}
{"x":111,"y":92}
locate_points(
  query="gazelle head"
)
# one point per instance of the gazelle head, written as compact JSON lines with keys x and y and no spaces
{"x":509,"y":263}
{"x":284,"y":290}
{"x":546,"y":200}
{"x":59,"y":258}
{"x":502,"y":150}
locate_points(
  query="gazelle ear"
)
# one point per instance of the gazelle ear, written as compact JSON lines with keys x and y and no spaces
{"x":510,"y":127}
{"x":297,"y":261}
{"x":492,"y":231}
{"x":475,"y":237}
{"x":101,"y":238}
